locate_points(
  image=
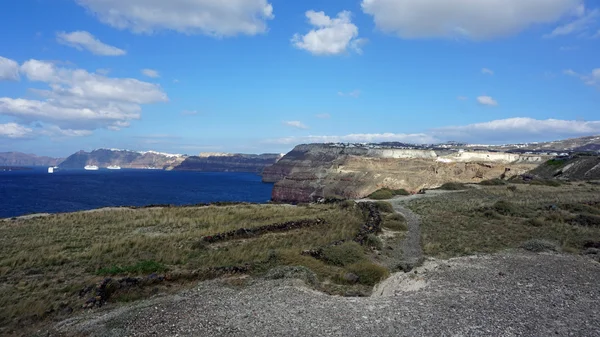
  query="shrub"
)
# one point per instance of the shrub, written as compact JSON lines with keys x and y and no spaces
{"x":506,"y":208}
{"x":374,"y":241}
{"x":512,"y":188}
{"x":384,"y":207}
{"x":493,"y":182}
{"x":536,"y":222}
{"x":540,"y":245}
{"x":344,"y":254}
{"x":381,"y":194}
{"x":368,"y":273}
{"x":588,"y":220}
{"x":386,"y":193}
{"x":453,"y":186}
{"x":395,"y":222}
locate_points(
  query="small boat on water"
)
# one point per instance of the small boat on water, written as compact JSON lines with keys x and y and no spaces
{"x":50,"y":169}
{"x":91,"y":167}
{"x":113,"y":167}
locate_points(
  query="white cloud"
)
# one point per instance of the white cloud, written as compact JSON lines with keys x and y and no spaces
{"x":487,"y":71}
{"x":487,"y":100}
{"x":9,"y":69}
{"x":472,"y":19}
{"x":210,"y":17}
{"x":584,"y":22}
{"x":14,"y":131}
{"x":418,"y":138}
{"x":83,"y":40}
{"x":151,"y":73}
{"x":517,"y":129}
{"x":78,"y":100}
{"x":103,"y":71}
{"x":592,"y":79}
{"x":353,"y":93}
{"x":511,"y":130}
{"x":323,"y":116}
{"x":330,"y":36}
{"x":462,"y":98}
{"x":295,"y":124}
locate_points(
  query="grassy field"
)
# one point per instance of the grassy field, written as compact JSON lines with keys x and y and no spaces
{"x":46,"y":261}
{"x":507,"y":216}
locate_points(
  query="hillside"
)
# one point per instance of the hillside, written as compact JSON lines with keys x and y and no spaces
{"x":228,"y":162}
{"x":25,"y":159}
{"x":578,"y":167}
{"x":122,"y":158}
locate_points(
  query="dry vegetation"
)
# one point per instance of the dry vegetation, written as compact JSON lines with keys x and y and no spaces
{"x":46,"y":261}
{"x":508,"y":216}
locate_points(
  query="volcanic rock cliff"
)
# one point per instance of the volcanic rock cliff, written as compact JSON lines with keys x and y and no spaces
{"x":217,"y":162}
{"x":314,"y":171}
{"x":25,"y":159}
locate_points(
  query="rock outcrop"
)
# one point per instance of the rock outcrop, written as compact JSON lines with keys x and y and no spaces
{"x":310,"y":172}
{"x":220,"y":162}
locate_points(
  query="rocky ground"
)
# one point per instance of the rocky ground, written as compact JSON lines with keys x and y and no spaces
{"x":508,"y":294}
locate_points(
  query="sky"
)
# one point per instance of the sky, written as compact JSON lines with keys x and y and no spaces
{"x":257,"y":76}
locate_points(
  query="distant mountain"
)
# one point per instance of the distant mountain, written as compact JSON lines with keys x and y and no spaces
{"x":123,"y":158}
{"x":25,"y":159}
{"x":581,"y":144}
{"x":223,"y":162}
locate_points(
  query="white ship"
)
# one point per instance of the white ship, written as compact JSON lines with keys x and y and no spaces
{"x":91,"y":167}
{"x":113,"y":167}
{"x":50,"y":169}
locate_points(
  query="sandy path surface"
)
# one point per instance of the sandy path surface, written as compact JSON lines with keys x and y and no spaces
{"x":508,"y":294}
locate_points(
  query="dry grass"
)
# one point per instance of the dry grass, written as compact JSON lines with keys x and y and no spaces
{"x":495,"y":218}
{"x":45,"y":261}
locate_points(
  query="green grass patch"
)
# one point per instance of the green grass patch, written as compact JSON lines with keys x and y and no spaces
{"x":140,"y":268}
{"x":344,"y":254}
{"x":395,"y":222}
{"x":493,"y":182}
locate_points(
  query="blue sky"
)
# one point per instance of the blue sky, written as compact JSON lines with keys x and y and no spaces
{"x":254,"y":76}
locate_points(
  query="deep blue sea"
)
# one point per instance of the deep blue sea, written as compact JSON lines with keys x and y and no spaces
{"x":36,"y":191}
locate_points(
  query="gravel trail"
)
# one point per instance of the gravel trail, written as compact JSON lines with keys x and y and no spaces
{"x":412,"y":253}
{"x":509,"y":294}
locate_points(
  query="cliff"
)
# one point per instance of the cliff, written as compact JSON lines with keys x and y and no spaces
{"x":220,"y":162}
{"x":122,"y":158}
{"x":314,"y":171}
{"x":25,"y":159}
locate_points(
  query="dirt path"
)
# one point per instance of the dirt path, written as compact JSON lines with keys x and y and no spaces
{"x":412,"y":253}
{"x":509,"y":294}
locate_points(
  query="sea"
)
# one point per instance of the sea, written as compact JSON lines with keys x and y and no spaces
{"x":33,"y":191}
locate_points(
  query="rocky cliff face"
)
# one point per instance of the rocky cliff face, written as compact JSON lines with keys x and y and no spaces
{"x":313,"y":171}
{"x":228,"y":162}
{"x":122,"y":158}
{"x":24,"y":159}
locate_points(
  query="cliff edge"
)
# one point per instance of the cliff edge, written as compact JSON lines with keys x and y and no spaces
{"x":313,"y":171}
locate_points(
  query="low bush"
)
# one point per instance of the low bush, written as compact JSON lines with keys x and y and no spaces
{"x":540,"y":245}
{"x":493,"y":182}
{"x":345,"y":254}
{"x":546,"y":182}
{"x":512,"y":188}
{"x":453,"y":186}
{"x":368,"y":273}
{"x":374,"y":242}
{"x":293,"y":272}
{"x":587,"y":220}
{"x":506,"y":208}
{"x":384,"y":207}
{"x":395,"y":222}
{"x":386,"y":193}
